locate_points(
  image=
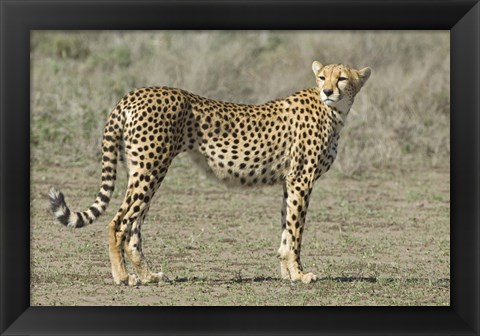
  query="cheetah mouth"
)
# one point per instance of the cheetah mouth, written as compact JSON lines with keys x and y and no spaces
{"x":329,"y":101}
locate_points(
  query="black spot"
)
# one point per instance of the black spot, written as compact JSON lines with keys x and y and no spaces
{"x":107,"y":187}
{"x":94,"y":211}
{"x":80,"y":222}
{"x":103,"y":198}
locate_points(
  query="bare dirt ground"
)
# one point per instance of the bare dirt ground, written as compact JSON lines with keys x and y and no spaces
{"x":377,"y":240}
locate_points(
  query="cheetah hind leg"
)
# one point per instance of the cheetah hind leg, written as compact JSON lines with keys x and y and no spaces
{"x":134,"y":253}
{"x":119,"y":272}
{"x":133,"y":240}
{"x":125,"y":238}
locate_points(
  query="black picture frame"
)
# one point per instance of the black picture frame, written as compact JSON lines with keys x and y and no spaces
{"x":18,"y":18}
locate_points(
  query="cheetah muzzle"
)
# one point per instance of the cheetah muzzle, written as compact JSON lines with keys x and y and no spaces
{"x":290,"y":141}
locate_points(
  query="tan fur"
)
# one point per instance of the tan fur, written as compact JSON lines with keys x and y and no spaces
{"x":290,"y":141}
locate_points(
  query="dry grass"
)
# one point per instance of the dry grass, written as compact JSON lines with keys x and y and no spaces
{"x":402,"y":115}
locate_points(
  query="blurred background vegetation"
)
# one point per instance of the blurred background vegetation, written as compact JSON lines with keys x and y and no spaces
{"x":400,"y":120}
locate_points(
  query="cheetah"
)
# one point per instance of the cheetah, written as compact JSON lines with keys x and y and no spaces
{"x":290,"y":141}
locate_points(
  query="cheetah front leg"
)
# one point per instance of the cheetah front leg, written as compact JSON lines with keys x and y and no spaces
{"x":295,"y":204}
{"x":283,"y":244}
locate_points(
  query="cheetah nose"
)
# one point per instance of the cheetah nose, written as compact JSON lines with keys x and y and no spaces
{"x":328,"y":92}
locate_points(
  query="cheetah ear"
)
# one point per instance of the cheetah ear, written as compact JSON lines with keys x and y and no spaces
{"x":316,"y":67}
{"x":363,"y":75}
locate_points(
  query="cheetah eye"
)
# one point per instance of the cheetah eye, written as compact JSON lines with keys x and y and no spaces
{"x":322,"y":77}
{"x":342,"y":79}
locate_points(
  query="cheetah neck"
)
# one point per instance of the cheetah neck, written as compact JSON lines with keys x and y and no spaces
{"x":339,"y":114}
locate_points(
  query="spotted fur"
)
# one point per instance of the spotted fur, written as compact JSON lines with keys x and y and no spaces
{"x":290,"y":141}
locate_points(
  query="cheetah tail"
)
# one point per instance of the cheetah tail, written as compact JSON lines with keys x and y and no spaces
{"x":77,"y":219}
{"x":110,"y":145}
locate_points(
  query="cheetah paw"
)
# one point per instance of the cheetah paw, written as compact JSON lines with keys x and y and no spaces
{"x":308,"y":277}
{"x":158,"y":277}
{"x":133,"y":280}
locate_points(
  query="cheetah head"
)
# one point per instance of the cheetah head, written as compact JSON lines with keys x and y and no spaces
{"x":338,"y":83}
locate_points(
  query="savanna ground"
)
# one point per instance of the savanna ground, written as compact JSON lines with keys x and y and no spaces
{"x":378,"y":226}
